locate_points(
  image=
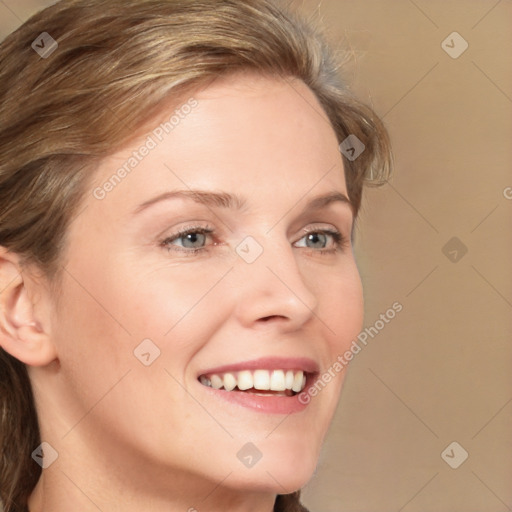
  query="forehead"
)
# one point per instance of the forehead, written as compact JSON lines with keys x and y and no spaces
{"x":247,"y":132}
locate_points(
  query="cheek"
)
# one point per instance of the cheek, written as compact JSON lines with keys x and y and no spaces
{"x":93,"y":348}
{"x":90,"y":332}
{"x":97,"y":333}
{"x":107,"y":310}
{"x":340,"y":306}
{"x":171,"y":301}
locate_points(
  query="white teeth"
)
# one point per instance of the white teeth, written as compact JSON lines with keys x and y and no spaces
{"x":245,"y":380}
{"x":261,"y":379}
{"x":216,"y":381}
{"x":229,"y":381}
{"x":289,"y":379}
{"x":297,"y":381}
{"x":274,"y":380}
{"x":277,"y":380}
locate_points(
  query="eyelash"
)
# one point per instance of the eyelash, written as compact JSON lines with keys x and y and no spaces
{"x":340,"y":241}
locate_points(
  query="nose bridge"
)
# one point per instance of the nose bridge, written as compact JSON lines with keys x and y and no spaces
{"x":270,"y":281}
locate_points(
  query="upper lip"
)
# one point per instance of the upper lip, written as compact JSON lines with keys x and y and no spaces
{"x":267,"y":363}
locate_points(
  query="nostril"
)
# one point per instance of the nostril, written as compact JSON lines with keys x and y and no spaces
{"x":271,"y":317}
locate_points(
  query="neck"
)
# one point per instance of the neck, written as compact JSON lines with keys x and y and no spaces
{"x":60,"y":492}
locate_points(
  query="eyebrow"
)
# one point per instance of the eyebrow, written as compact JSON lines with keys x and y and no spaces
{"x":235,"y":202}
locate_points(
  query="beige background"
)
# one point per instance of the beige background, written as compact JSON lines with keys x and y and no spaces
{"x":440,"y":371}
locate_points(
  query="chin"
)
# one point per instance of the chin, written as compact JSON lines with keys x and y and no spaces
{"x":294,"y":467}
{"x":284,"y":479}
{"x":282,"y":469}
{"x":292,"y":478}
{"x":281,"y":480}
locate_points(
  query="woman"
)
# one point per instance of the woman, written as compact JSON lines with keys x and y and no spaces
{"x":179,"y":185}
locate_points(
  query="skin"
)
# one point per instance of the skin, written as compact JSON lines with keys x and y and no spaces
{"x":132,"y":437}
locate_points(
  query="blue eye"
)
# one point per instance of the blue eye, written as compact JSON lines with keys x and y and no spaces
{"x":193,"y":240}
{"x":189,"y":239}
{"x":320,"y":237}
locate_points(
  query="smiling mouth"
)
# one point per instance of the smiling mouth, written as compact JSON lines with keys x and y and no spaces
{"x":259,"y":382}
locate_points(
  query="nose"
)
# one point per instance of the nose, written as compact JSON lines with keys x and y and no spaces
{"x":272,"y":289}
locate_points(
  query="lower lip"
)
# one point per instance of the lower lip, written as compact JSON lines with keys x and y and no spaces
{"x":270,"y":404}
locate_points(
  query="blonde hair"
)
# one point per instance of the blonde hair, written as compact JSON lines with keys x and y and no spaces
{"x":116,"y":62}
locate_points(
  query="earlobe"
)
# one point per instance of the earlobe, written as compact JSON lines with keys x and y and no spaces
{"x":24,"y":332}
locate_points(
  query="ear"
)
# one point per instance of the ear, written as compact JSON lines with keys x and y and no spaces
{"x":24,"y":313}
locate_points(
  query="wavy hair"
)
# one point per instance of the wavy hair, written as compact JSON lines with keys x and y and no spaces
{"x":116,"y":63}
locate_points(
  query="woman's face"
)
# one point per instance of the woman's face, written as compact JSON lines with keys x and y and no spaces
{"x":263,"y":285}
